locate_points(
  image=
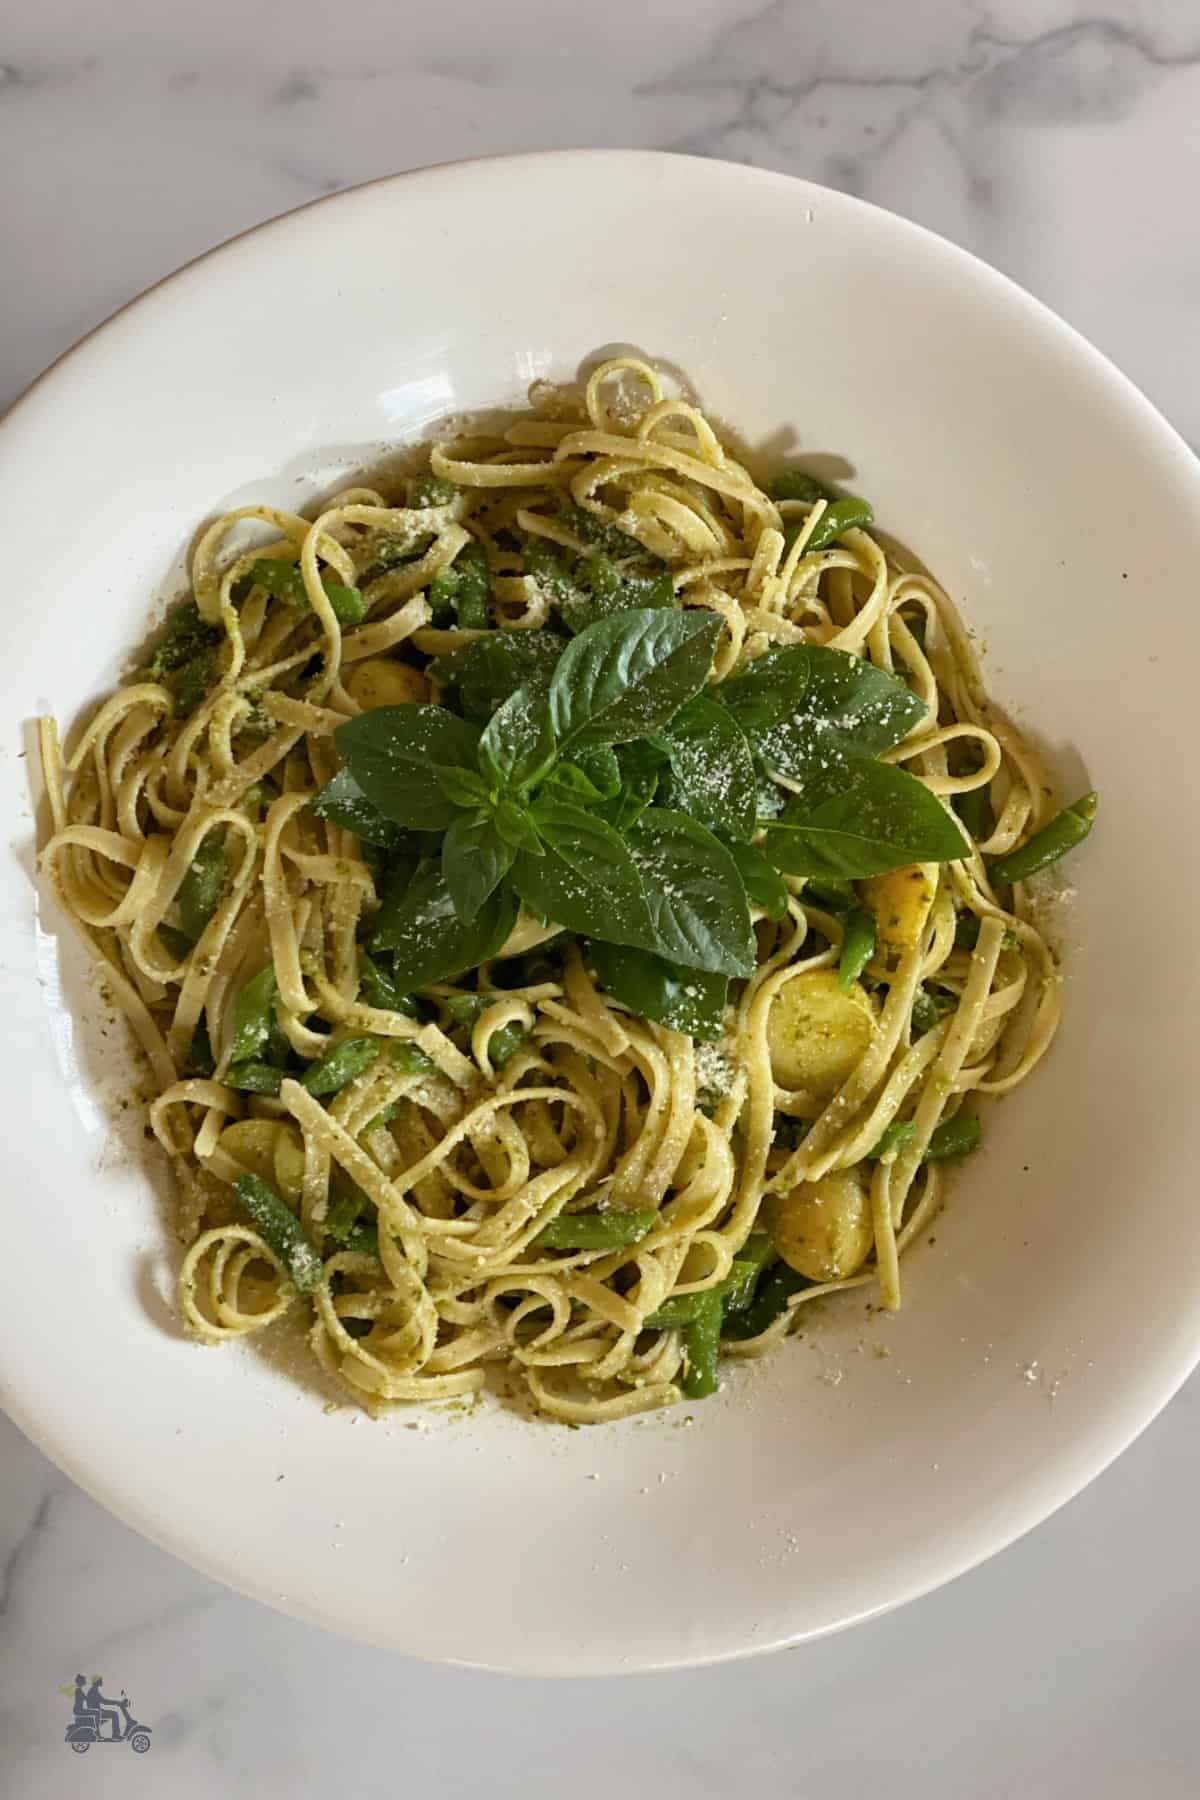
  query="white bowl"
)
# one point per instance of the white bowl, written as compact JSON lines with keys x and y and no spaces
{"x":1060,"y":1305}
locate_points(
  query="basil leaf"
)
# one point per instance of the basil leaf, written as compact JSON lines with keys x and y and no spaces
{"x":641,"y":766}
{"x":389,"y":753}
{"x":624,"y":677}
{"x":763,"y":883}
{"x":695,"y":894}
{"x":806,"y":704}
{"x":475,"y":860}
{"x":419,"y":925}
{"x":689,"y":1000}
{"x":463,"y":786}
{"x":516,"y":827}
{"x":518,"y":744}
{"x":343,"y":801}
{"x":587,"y":879}
{"x":594,"y":775}
{"x":865,"y":819}
{"x":486,"y":671}
{"x":713,"y":769}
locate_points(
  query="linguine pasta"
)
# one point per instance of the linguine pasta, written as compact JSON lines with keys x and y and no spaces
{"x":431,"y":1187}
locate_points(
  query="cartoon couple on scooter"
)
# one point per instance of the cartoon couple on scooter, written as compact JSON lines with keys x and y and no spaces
{"x":93,"y":1710}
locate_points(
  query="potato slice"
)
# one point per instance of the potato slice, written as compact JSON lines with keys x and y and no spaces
{"x":823,"y":1228}
{"x":816,"y":1034}
{"x":899,"y":902}
{"x":382,"y":681}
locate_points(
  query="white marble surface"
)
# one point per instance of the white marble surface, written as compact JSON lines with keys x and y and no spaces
{"x":1059,"y":143}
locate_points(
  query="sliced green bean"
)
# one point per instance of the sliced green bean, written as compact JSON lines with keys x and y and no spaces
{"x":601,"y":532}
{"x":254,"y":1015}
{"x":1064,"y":832}
{"x":278,"y":1225}
{"x":796,"y":484}
{"x":187,"y":633}
{"x":858,"y":947}
{"x":345,"y":1224}
{"x":340,"y":1065}
{"x":380,"y":989}
{"x":193,"y":682}
{"x":349,"y":607}
{"x":465,"y":1009}
{"x":774,"y":1291}
{"x":254,"y":1077}
{"x":929,"y":1009}
{"x":178,"y":943}
{"x":432,"y":490}
{"x":895,"y":1138}
{"x":954,"y":1137}
{"x":736,"y":1291}
{"x":466,"y":586}
{"x":838,"y":517}
{"x":975,"y":810}
{"x":284,"y":580}
{"x":702,"y":1347}
{"x":596,"y":1230}
{"x":409,"y":1058}
{"x":200,"y":889}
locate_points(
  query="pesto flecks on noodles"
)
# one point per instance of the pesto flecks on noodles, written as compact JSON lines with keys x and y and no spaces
{"x":567,"y":905}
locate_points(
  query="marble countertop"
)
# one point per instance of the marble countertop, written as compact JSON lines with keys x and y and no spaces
{"x":1059,"y":144}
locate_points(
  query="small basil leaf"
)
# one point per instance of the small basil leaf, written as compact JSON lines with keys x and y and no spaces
{"x":389,"y":753}
{"x":713,"y":769}
{"x":587,"y":880}
{"x":419,"y":925}
{"x":688,"y":1000}
{"x":516,"y":827}
{"x":475,"y":860}
{"x":763,"y":883}
{"x":800,"y":704}
{"x":624,"y":677}
{"x":485,"y":672}
{"x":641,"y":766}
{"x":463,"y":786}
{"x":695,"y":894}
{"x":839,"y":516}
{"x":343,"y":801}
{"x":517,"y":745}
{"x":864,"y":820}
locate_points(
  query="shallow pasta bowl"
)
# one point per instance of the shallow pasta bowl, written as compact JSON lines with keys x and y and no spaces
{"x":1056,"y":1306}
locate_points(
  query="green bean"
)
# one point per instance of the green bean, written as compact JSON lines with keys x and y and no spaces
{"x":1064,"y":832}
{"x":178,"y":943}
{"x":465,"y":1009}
{"x":832,"y":896}
{"x":349,"y":607}
{"x":774,"y":1291}
{"x":839,"y":516}
{"x":284,"y":580}
{"x":254,"y":1077}
{"x":735,"y":1291}
{"x":187,"y":633}
{"x":383,"y":1117}
{"x":278,"y":1225}
{"x":345,"y":1224}
{"x":601,"y":532}
{"x":408,"y":1057}
{"x":954,"y":1137}
{"x":596,"y":1230}
{"x":975,"y":811}
{"x":194,"y":681}
{"x":254,"y":1015}
{"x":200,"y":889}
{"x":702,"y":1348}
{"x":380,"y":989}
{"x":858,"y":947}
{"x":340,"y":1065}
{"x":795,"y":484}
{"x":432,"y":490}
{"x":929,"y":1009}
{"x":472,"y":591}
{"x":896,"y":1137}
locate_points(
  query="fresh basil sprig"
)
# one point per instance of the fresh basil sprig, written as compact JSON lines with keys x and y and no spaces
{"x":593,"y":783}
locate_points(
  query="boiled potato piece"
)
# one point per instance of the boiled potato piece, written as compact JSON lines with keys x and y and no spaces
{"x":382,"y":681}
{"x":816,"y":1034}
{"x":823,"y":1228}
{"x":270,"y":1150}
{"x":899,"y":902}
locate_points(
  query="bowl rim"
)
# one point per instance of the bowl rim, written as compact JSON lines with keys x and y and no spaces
{"x":1109,"y":1439}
